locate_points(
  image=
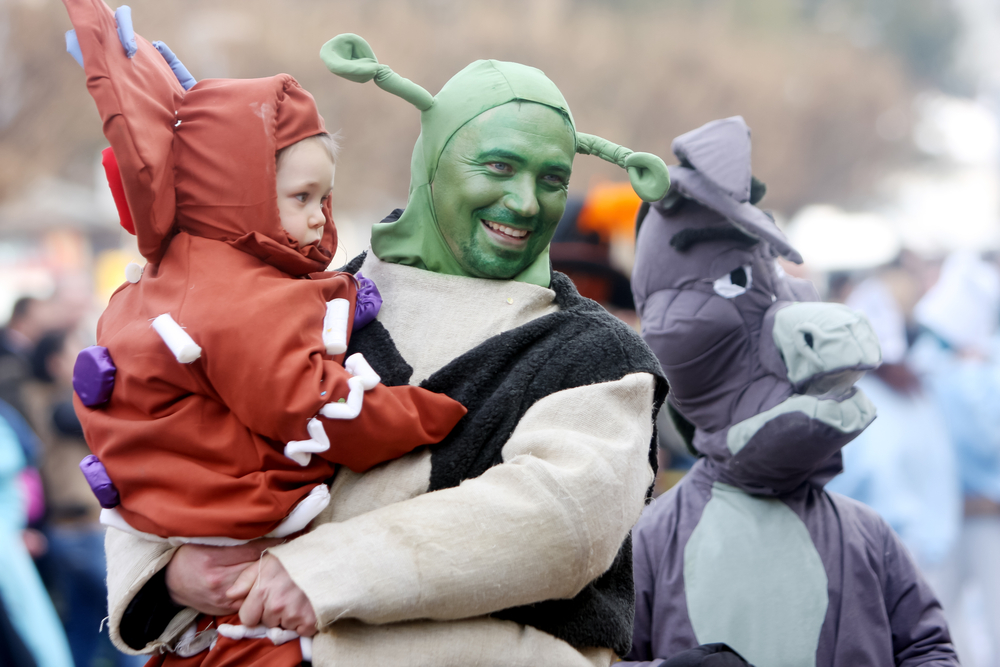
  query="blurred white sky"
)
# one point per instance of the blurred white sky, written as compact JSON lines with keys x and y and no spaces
{"x":950,"y":202}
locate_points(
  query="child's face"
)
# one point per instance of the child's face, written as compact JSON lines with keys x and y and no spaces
{"x":304,"y":181}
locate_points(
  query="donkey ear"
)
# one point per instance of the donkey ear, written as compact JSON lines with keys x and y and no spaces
{"x":137,"y":97}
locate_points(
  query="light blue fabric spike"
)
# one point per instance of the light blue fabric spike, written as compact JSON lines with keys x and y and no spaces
{"x":73,"y":47}
{"x":181,"y":72}
{"x":126,"y":35}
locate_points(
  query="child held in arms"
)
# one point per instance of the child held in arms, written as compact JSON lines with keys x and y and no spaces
{"x":216,"y":403}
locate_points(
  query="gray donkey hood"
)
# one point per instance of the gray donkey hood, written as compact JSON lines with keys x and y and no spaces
{"x":715,"y":172}
{"x":762,"y":370}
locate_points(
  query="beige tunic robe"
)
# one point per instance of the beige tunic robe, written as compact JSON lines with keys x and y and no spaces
{"x":405,"y":577}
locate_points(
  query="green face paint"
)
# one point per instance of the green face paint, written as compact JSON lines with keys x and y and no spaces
{"x":500,"y":166}
{"x":500,"y":187}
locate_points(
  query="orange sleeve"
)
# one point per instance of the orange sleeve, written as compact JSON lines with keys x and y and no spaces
{"x":269,"y":367}
{"x":393,"y":422}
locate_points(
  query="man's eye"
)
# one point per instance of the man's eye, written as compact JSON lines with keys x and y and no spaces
{"x":554,"y":179}
{"x":502,"y":167}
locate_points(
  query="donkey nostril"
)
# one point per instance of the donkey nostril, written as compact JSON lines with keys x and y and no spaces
{"x":809,"y":339}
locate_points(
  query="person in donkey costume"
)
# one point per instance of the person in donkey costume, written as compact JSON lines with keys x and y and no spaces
{"x":748,"y":549}
{"x":508,"y":542}
{"x":219,"y":371}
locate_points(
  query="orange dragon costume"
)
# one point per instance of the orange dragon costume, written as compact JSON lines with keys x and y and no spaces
{"x":218,"y":448}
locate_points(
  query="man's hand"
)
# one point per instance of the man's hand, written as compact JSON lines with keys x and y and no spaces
{"x":201,"y":577}
{"x":276,"y":601}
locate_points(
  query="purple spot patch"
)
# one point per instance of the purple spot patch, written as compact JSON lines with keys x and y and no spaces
{"x":94,"y":375}
{"x":368,"y":304}
{"x":99,"y":482}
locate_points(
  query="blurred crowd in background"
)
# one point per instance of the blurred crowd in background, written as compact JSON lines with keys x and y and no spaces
{"x":875,"y":128}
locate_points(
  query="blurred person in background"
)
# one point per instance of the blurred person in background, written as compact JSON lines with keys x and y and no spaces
{"x":74,"y":565}
{"x":584,"y":254}
{"x":17,"y":340}
{"x":26,"y":603}
{"x":958,"y":357}
{"x":903,"y":465}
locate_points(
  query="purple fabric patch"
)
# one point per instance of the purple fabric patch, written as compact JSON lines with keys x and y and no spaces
{"x":368,"y":304}
{"x":99,"y":482}
{"x":94,"y":375}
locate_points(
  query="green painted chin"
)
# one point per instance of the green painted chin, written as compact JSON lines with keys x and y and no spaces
{"x":502,"y":245}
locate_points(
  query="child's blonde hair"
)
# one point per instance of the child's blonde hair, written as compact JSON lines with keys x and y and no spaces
{"x":329,"y":142}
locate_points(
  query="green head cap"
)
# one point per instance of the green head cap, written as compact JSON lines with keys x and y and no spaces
{"x":415,"y":238}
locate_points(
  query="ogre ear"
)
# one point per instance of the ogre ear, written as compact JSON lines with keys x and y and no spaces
{"x":647,"y":173}
{"x":351,"y":57}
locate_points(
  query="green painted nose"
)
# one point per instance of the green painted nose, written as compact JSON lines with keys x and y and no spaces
{"x":826,"y":347}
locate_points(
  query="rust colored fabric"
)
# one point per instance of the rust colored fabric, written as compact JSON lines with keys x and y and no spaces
{"x":234,"y":652}
{"x":137,"y":99}
{"x":195,"y":449}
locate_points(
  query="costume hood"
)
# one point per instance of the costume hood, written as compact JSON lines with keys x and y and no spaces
{"x":415,"y":238}
{"x":200,"y":160}
{"x":762,"y":372}
{"x":228,"y":132}
{"x":715,"y":172}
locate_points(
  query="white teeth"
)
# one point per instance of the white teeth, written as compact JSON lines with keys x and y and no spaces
{"x":509,"y":231}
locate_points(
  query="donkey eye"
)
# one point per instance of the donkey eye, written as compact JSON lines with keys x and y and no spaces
{"x":738,"y":277}
{"x":734,"y":283}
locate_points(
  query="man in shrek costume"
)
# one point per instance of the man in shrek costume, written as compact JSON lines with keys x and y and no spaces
{"x":507,"y":543}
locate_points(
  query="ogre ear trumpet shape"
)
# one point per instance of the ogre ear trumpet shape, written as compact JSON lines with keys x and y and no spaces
{"x":350,"y":57}
{"x":647,"y":173}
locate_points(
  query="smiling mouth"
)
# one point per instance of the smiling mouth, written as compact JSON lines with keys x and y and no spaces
{"x":504,"y":231}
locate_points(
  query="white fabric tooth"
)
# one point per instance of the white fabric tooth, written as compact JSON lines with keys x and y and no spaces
{"x":279,"y":635}
{"x":350,"y":408}
{"x":303,"y":513}
{"x":358,"y":366}
{"x":301,"y":451}
{"x":230,"y":631}
{"x":335,"y":326}
{"x":133,"y":272}
{"x":306,"y":645}
{"x":184,"y":348}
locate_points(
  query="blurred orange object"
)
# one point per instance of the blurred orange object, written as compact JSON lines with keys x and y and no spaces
{"x":609,"y":210}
